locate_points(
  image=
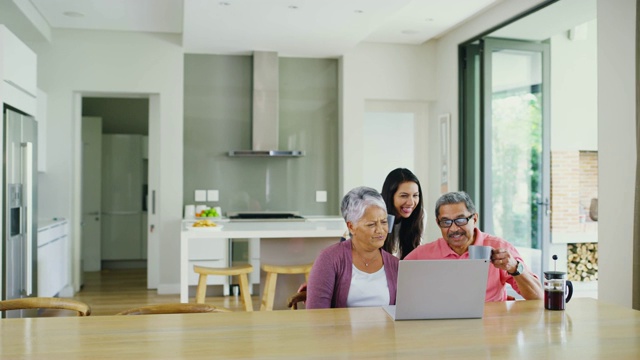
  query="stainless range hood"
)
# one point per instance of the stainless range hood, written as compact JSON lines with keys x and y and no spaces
{"x":264,"y":130}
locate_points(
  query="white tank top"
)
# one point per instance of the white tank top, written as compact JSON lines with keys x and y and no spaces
{"x":368,"y":289}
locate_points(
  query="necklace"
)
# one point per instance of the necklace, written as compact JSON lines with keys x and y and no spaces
{"x":364,"y":260}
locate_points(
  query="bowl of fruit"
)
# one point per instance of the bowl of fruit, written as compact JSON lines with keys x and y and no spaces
{"x":208,"y":213}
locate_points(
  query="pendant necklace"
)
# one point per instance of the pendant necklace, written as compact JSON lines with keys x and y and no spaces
{"x":366,"y":263}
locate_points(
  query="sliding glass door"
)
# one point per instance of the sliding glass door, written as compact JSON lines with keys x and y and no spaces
{"x":505,"y":137}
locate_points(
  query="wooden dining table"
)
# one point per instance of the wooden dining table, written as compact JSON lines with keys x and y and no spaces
{"x":587,"y":329}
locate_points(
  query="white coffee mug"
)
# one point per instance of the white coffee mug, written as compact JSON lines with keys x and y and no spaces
{"x":480,"y":252}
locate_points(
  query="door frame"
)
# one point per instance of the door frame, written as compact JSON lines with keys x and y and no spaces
{"x":153,"y":237}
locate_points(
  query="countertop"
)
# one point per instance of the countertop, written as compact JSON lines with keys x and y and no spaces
{"x":314,"y":226}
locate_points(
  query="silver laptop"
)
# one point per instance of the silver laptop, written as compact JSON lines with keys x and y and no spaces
{"x":440,"y":289}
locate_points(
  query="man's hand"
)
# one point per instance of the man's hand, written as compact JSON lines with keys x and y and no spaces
{"x":501,"y":258}
{"x":528,"y":285}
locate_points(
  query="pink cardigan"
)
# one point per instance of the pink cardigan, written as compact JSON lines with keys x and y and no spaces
{"x":330,"y":278}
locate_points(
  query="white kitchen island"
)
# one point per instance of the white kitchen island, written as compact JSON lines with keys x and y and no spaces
{"x":281,"y":242}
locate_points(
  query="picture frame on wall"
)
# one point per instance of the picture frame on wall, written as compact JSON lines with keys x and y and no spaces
{"x":445,"y":151}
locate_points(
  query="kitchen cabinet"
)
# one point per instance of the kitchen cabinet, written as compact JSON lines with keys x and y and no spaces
{"x":211,"y":253}
{"x":18,"y":73}
{"x":53,"y":258}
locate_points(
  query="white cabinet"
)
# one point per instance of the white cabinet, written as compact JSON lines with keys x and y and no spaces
{"x":254,"y":260}
{"x":53,"y":258}
{"x":211,"y":253}
{"x":18,"y":73}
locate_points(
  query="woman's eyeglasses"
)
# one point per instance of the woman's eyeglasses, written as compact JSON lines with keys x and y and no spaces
{"x":460,"y":222}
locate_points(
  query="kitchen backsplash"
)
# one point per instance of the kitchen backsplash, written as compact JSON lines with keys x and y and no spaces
{"x":217,"y":118}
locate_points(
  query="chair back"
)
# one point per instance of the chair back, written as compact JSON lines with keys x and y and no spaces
{"x":171,"y":308}
{"x":46,"y":303}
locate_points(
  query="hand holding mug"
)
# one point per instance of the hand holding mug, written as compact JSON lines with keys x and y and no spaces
{"x":502,"y":259}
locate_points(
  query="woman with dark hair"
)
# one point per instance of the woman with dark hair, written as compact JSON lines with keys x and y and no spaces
{"x":402,"y":194}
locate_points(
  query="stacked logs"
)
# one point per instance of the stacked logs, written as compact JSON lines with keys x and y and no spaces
{"x":582,"y":262}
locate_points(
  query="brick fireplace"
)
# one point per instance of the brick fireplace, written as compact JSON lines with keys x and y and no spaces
{"x":574,"y":186}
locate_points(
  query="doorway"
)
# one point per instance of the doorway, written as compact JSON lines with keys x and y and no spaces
{"x":394,"y":133}
{"x":114,"y":166}
{"x":529,"y":135}
{"x":510,"y":146}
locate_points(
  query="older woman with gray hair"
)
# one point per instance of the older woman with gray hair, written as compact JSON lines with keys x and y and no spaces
{"x":356,"y":272}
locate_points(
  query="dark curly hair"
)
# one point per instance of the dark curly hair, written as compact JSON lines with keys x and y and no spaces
{"x":412,"y":227}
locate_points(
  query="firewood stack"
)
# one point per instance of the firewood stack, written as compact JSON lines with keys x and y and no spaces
{"x":582,"y":262}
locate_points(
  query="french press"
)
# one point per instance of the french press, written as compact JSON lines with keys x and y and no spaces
{"x":557,"y":290}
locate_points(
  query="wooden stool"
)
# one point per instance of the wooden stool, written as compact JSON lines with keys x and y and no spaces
{"x":269,"y":291}
{"x":241,"y":271}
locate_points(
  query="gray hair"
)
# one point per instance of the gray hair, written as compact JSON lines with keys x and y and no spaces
{"x":356,"y":201}
{"x":455,"y":197}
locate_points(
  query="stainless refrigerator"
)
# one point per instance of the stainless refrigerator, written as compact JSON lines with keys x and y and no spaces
{"x":20,"y":229}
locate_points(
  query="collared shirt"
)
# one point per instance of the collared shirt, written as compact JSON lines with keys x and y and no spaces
{"x":497,"y":279}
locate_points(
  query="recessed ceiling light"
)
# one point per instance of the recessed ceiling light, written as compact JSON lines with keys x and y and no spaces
{"x":74,"y":14}
{"x":409,"y":32}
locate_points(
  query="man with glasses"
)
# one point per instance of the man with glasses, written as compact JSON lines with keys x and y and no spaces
{"x":457,"y":218}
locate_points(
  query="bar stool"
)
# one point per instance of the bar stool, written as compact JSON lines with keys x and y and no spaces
{"x":241,"y":271}
{"x":269,"y":291}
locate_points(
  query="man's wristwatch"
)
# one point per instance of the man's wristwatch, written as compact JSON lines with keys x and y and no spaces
{"x":519,"y":269}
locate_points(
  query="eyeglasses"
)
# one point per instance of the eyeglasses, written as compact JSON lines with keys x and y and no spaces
{"x":459,"y":221}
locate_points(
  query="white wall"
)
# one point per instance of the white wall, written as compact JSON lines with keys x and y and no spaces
{"x":398,"y":78}
{"x":617,"y":148}
{"x":574,"y":93}
{"x":101,"y":62}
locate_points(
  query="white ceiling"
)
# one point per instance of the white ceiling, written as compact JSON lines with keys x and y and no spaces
{"x":307,"y":28}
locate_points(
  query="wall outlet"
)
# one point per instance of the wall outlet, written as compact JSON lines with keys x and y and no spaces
{"x":213,"y":195}
{"x":201,"y":195}
{"x":321,"y":196}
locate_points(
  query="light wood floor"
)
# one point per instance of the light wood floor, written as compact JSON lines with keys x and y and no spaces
{"x":110,"y":291}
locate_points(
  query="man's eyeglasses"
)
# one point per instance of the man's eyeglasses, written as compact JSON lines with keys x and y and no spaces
{"x":460,"y":222}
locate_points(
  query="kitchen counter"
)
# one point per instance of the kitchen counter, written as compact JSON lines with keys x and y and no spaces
{"x":312,"y":227}
{"x":281,"y":243}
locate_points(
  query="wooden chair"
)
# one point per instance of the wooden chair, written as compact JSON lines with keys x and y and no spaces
{"x":241,"y":271}
{"x":269,"y":291}
{"x":46,"y":303}
{"x":172,"y":308}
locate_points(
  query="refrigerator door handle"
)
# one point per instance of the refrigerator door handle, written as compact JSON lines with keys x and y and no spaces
{"x":28,"y":196}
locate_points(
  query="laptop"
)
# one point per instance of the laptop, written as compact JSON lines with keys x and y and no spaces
{"x":440,"y":289}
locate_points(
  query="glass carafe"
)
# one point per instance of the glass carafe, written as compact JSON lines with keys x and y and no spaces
{"x":557,"y":290}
